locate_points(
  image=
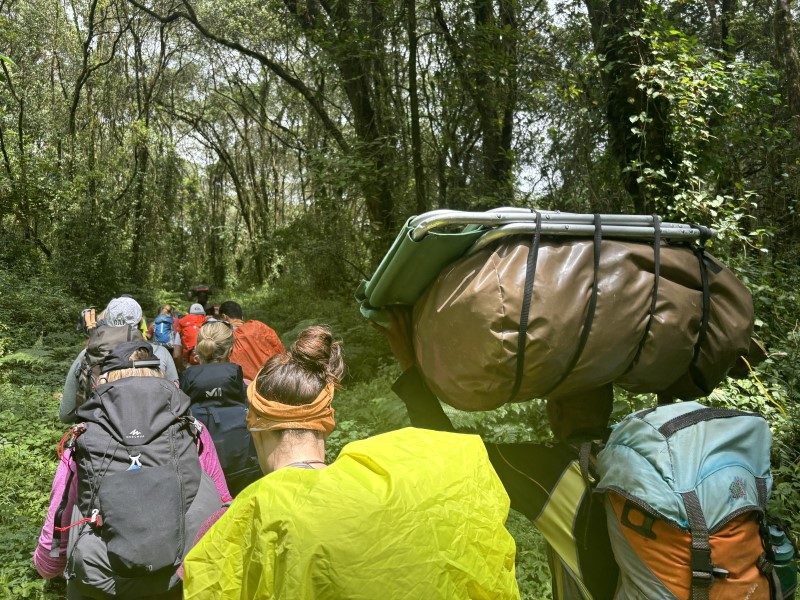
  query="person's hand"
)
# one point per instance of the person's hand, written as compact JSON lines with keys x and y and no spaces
{"x":399,"y":335}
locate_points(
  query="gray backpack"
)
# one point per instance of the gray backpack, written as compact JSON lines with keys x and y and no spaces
{"x":103,"y":339}
{"x":142,"y":495}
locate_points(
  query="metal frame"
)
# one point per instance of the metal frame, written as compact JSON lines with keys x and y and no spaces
{"x":501,"y":222}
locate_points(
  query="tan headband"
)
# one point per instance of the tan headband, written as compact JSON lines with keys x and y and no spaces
{"x":268,"y":415}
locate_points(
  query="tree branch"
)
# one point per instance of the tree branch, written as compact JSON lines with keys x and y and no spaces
{"x":273,"y":66}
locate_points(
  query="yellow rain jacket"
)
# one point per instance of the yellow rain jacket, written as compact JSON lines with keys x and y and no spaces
{"x":413,"y":514}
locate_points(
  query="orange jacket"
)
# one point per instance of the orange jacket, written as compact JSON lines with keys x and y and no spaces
{"x":254,"y":344}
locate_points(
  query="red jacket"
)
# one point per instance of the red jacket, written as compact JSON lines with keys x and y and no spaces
{"x":254,"y":344}
{"x":189,"y":326}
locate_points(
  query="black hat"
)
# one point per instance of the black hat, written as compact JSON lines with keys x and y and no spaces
{"x":120,"y":357}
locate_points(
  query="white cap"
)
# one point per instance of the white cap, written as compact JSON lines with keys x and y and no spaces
{"x":197,"y":309}
{"x":123,"y":311}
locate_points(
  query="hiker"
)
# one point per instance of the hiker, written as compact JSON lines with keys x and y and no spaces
{"x":543,"y":481}
{"x":219,"y":399}
{"x":118,"y":322}
{"x":162,"y":332}
{"x":143,"y":322}
{"x":188,"y":327}
{"x":91,"y":533}
{"x":200,"y":294}
{"x":395,"y":516}
{"x":255,"y":342}
{"x":558,"y":487}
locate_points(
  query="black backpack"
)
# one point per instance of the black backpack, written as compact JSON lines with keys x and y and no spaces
{"x":219,"y":400}
{"x":142,"y":495}
{"x":102,"y":340}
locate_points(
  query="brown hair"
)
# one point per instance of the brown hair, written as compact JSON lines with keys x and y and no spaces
{"x":140,"y":354}
{"x":298,"y":375}
{"x":214,"y":342}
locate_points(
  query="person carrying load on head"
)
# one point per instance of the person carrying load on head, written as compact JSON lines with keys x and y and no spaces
{"x":219,"y":399}
{"x":118,"y":322}
{"x":162,"y":332}
{"x":136,"y":479}
{"x":575,"y":494}
{"x":200,"y":294}
{"x":395,"y":516}
{"x":255,"y":342}
{"x":515,"y":305}
{"x":188,"y":327}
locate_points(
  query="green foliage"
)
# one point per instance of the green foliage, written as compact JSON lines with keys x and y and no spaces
{"x":364,"y":409}
{"x":718,"y":110}
{"x":30,"y":378}
{"x":32,"y":307}
{"x":194,"y":163}
{"x":29,"y":431}
{"x":533,"y":573}
{"x":290,"y":308}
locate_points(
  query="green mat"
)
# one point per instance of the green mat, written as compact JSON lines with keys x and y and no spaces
{"x":410,"y":266}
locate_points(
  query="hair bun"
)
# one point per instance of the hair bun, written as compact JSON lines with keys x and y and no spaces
{"x":316,"y":351}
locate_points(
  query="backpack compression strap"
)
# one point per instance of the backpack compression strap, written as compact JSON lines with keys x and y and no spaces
{"x":694,"y":372}
{"x":703,"y":570}
{"x":590,"y":309}
{"x":522,"y":335}
{"x":654,"y":296}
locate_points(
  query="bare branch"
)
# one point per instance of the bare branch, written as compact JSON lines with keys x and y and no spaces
{"x":294,"y":82}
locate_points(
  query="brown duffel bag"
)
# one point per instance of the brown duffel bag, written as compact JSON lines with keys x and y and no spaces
{"x":666,"y":319}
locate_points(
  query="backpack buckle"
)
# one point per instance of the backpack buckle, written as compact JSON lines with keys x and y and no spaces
{"x":764,"y":565}
{"x":195,"y":426}
{"x":702,"y":567}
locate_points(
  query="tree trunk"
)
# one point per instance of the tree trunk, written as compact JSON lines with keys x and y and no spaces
{"x":420,"y":194}
{"x":611,"y":23}
{"x":787,"y":54}
{"x":138,"y":267}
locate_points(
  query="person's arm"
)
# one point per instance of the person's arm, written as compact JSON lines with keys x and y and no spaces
{"x":422,"y":405}
{"x":177,"y":351}
{"x":66,"y":409}
{"x":424,"y":409}
{"x":46,"y":565}
{"x":177,"y":357}
{"x":167,"y":364}
{"x":209,"y":461}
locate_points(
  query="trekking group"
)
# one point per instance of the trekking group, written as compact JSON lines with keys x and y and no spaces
{"x":194,"y":466}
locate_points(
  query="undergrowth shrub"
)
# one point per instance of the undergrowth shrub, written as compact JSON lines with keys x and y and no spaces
{"x":31,"y":308}
{"x":30,"y":388}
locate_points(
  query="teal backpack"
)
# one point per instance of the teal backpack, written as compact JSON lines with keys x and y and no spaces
{"x":685,"y":488}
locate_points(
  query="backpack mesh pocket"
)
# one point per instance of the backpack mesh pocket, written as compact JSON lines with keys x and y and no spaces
{"x":142,"y":513}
